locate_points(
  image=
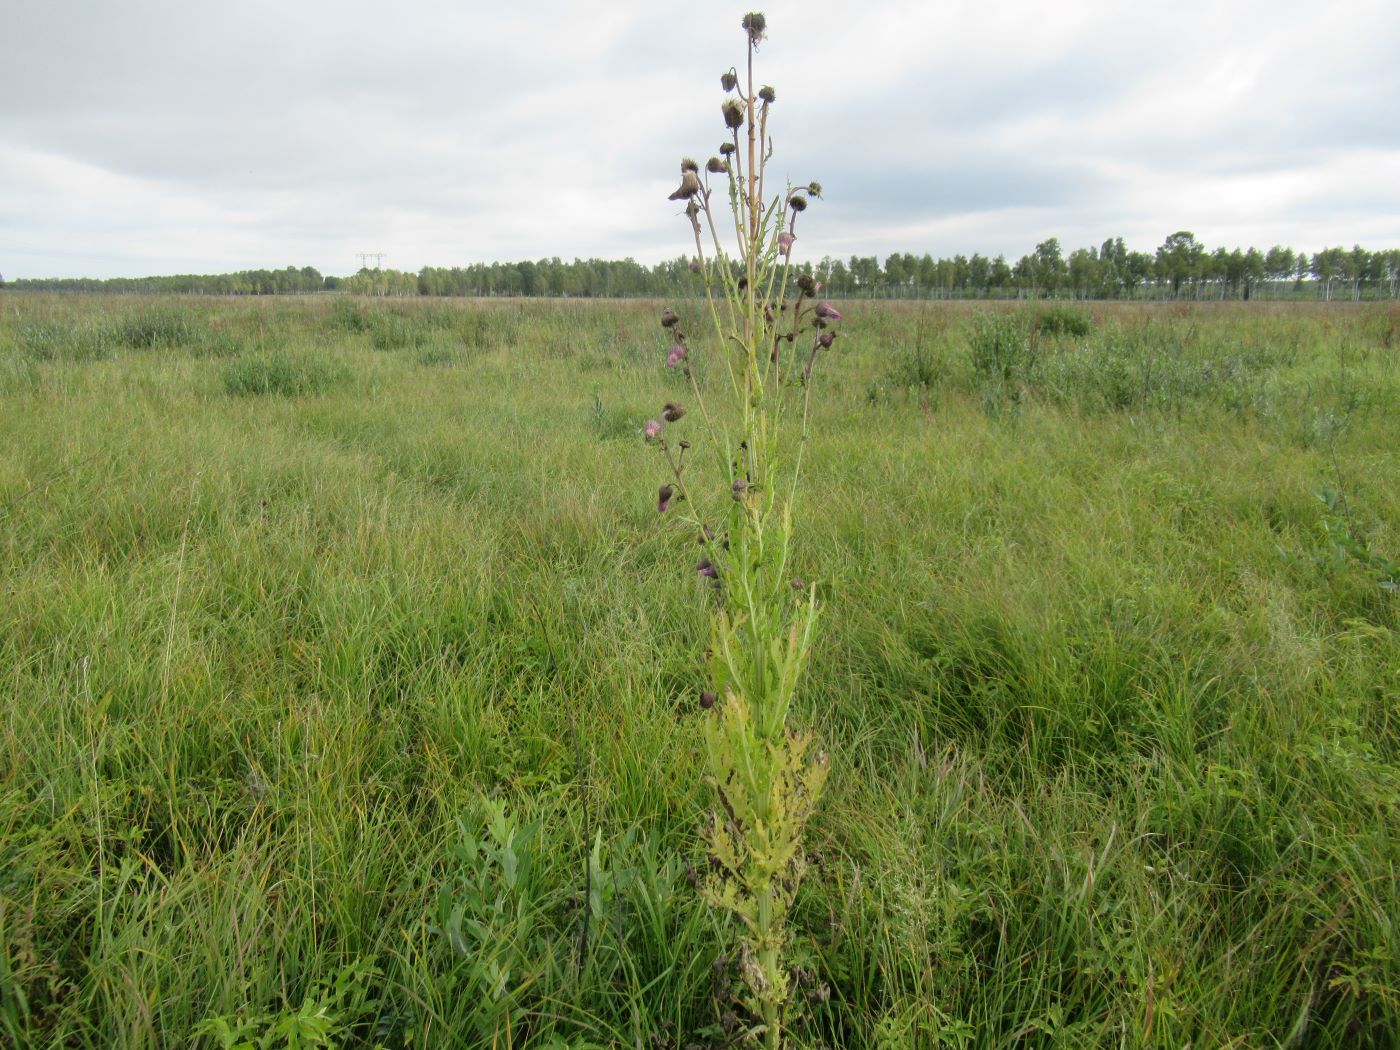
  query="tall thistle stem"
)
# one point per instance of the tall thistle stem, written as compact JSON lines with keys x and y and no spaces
{"x":767,"y":776}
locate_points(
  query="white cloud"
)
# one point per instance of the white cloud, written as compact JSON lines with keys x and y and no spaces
{"x":165,"y":137}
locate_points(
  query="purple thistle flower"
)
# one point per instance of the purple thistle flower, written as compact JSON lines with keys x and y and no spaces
{"x":676,"y":355}
{"x":828,"y":312}
{"x":663,"y":498}
{"x":652,"y":429}
{"x":785,"y":240}
{"x":706,"y":568}
{"x":707,"y":699}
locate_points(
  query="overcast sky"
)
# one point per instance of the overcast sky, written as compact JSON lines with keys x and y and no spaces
{"x":149,"y":137}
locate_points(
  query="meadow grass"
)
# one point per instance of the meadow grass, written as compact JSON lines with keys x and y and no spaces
{"x":328,"y":626}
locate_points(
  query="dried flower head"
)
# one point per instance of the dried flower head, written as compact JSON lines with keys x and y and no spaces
{"x":805,"y":284}
{"x":651,"y":429}
{"x":755,"y":25}
{"x":672,"y":412}
{"x":715,"y":166}
{"x":767,"y":93}
{"x":669,"y":318}
{"x":733,"y":111}
{"x":726,"y":148}
{"x":689,"y":187}
{"x":663,"y":498}
{"x":688,"y":165}
{"x":729,"y":81}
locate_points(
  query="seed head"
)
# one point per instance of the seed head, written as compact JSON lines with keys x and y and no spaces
{"x":676,"y":355}
{"x":689,"y":187}
{"x":755,"y":25}
{"x":767,"y":94}
{"x":733,"y":111}
{"x":729,"y":81}
{"x":651,"y":430}
{"x":669,"y":318}
{"x":672,"y":412}
{"x":663,"y":498}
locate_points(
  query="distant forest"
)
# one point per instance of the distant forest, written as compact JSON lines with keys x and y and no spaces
{"x":1181,"y":268}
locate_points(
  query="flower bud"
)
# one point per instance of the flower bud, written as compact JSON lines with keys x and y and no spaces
{"x":797,"y":202}
{"x":663,"y":498}
{"x":733,"y":111}
{"x":672,"y":412}
{"x":707,"y":699}
{"x":805,"y":283}
{"x":826,"y":339}
{"x":669,"y":318}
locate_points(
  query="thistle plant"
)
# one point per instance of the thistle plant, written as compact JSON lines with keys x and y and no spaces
{"x":751,"y":382}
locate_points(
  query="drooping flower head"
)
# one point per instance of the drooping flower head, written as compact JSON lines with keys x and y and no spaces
{"x":828,"y":312}
{"x":676,"y":355}
{"x":785,"y":240}
{"x":663,"y":498}
{"x":652,"y":429}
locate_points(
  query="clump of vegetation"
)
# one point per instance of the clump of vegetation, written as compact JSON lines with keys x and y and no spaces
{"x":770,"y":327}
{"x":283,"y":374}
{"x":59,"y":341}
{"x":1062,"y":320}
{"x":156,"y":328}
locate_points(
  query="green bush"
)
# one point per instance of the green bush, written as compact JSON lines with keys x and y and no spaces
{"x":1063,"y":320}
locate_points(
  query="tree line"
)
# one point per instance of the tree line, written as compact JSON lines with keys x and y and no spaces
{"x":1180,"y":268}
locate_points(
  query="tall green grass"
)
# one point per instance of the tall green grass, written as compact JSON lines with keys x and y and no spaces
{"x":288,"y":683}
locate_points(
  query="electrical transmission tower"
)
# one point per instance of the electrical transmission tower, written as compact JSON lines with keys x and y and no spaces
{"x":365,"y":257}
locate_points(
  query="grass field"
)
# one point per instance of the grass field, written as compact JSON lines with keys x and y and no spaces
{"x":340,"y":639}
